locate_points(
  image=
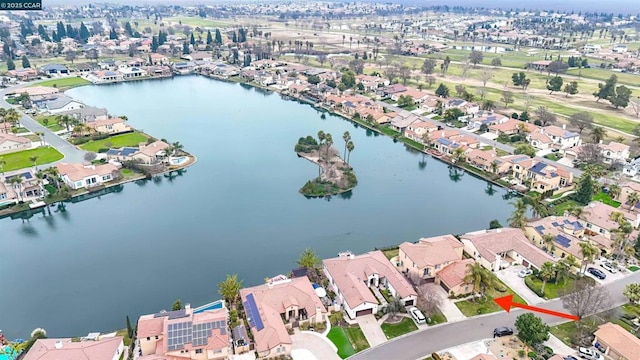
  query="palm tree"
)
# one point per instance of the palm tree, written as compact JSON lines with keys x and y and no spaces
{"x":53,"y":174}
{"x":494,"y":167}
{"x":229,"y":288}
{"x":16,"y":183}
{"x":12,"y":117}
{"x":480,"y":278}
{"x":588,"y":252}
{"x":614,"y":191}
{"x":346,"y":137}
{"x":563,"y":268}
{"x":458,"y":154}
{"x":547,"y":272}
{"x":577,"y":211}
{"x":598,"y":133}
{"x":65,"y":120}
{"x":177,"y":147}
{"x":78,"y":130}
{"x":350,"y":148}
{"x":633,"y":199}
{"x":308,"y":259}
{"x":33,"y":160}
{"x":538,"y":208}
{"x":547,"y":239}
{"x":328,"y":142}
{"x":518,"y":218}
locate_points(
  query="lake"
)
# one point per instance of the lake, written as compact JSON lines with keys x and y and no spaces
{"x":237,"y":210}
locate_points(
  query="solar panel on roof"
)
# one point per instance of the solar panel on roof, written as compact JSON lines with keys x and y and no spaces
{"x":562,"y":240}
{"x":252,"y":313}
{"x":539,"y":229}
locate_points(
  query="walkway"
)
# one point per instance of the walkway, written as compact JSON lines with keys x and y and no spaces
{"x":312,"y":346}
{"x":516,"y":283}
{"x":371,"y":330}
{"x":448,"y":306}
{"x":558,"y":346}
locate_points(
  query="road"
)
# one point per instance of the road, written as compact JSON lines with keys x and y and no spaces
{"x":70,"y":152}
{"x":505,"y":147}
{"x":422,"y":343}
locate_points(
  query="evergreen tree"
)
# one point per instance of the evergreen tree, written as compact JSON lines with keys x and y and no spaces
{"x":234,"y":37}
{"x":54,"y":36}
{"x":185,"y":48}
{"x":62,"y":33}
{"x":6,"y":49}
{"x":154,"y":44}
{"x":209,"y":37}
{"x":585,"y":190}
{"x":113,"y":35}
{"x":71,"y":32}
{"x":25,"y":62}
{"x":242,"y":35}
{"x":218,"y":39}
{"x":247,"y":60}
{"x":129,"y":328}
{"x":10,"y":65}
{"x":192,"y":40}
{"x":554,"y":84}
{"x":607,"y":89}
{"x":162,"y":37}
{"x":84,"y":33}
{"x":620,"y":98}
{"x":442,"y":90}
{"x":43,"y":33}
{"x":128,"y":28}
{"x":571,"y":88}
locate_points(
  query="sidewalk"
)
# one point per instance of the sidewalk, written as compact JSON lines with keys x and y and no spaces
{"x":448,"y":306}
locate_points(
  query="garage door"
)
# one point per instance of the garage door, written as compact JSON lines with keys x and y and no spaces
{"x":445,"y":287}
{"x":525,"y":263}
{"x":364,"y":312}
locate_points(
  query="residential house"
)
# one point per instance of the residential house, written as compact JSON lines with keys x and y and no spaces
{"x":596,"y":218}
{"x":87,"y":114}
{"x":105,"y":348}
{"x":151,"y":153}
{"x":426,"y":257}
{"x":158,"y":59}
{"x":184,"y":334}
{"x":418,"y":96}
{"x":8,"y":194}
{"x":107,"y":64}
{"x":417,"y":130}
{"x":79,"y":176}
{"x":199,"y":56}
{"x":618,"y":343}
{"x":353,"y":278}
{"x":403,"y":120}
{"x":51,"y":69}
{"x":109,"y":126}
{"x":632,"y":169}
{"x":567,"y":233}
{"x":519,"y":166}
{"x":553,"y":137}
{"x":452,"y":277}
{"x":35,"y":91}
{"x":391,"y":91}
{"x":29,"y":188}
{"x":105,"y":76}
{"x":486,"y":118}
{"x":58,"y":104}
{"x":511,"y":127}
{"x":184,"y":67}
{"x":12,"y":143}
{"x":122,"y":154}
{"x":615,"y":152}
{"x":129,"y":73}
{"x":540,"y":65}
{"x":276,"y":306}
{"x":626,"y":189}
{"x":484,"y":357}
{"x":5,"y":128}
{"x":485,"y":160}
{"x":430,"y":104}
{"x":544,"y":177}
{"x":23,"y":74}
{"x":500,"y":248}
{"x":85,"y":68}
{"x":371,"y":83}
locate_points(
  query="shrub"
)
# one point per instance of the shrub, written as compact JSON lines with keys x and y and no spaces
{"x":336,"y":318}
{"x":532,"y":355}
{"x":103,"y":150}
{"x":515,"y":138}
{"x":529,"y":282}
{"x":435,"y":356}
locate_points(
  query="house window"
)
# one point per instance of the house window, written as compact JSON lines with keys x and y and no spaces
{"x":148,"y":338}
{"x":198,"y":351}
{"x":426,"y":272}
{"x":437,"y":266}
{"x":589,"y":226}
{"x":156,"y":337}
{"x":3,"y":196}
{"x":601,"y":231}
{"x":106,"y":178}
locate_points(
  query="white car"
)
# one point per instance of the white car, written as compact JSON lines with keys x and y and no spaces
{"x":525,"y":272}
{"x":609,"y":267}
{"x":417,"y":315}
{"x":589,"y":354}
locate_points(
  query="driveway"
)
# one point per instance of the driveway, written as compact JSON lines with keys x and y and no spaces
{"x":448,"y":307}
{"x":516,"y":283}
{"x":312,"y":346}
{"x":610,"y":277}
{"x":371,"y":330}
{"x":468,"y":350}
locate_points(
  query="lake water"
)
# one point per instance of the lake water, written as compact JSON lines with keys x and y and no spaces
{"x":237,"y":210}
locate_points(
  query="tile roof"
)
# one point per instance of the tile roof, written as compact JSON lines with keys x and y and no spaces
{"x":350,"y":274}
{"x":484,"y":357}
{"x":566,"y":231}
{"x":45,"y":349}
{"x":432,"y":251}
{"x":13,"y":138}
{"x":559,"y":132}
{"x":615,"y":147}
{"x":489,"y":243}
{"x":453,"y":274}
{"x":619,"y":339}
{"x":599,"y":214}
{"x":153,"y":148}
{"x":77,"y":171}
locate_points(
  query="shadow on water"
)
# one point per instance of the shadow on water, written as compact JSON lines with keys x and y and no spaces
{"x":489,"y":190}
{"x":245,"y":86}
{"x":455,"y":174}
{"x":344,"y":196}
{"x":264,"y":92}
{"x":422,"y":163}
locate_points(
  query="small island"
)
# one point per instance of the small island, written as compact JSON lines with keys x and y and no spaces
{"x":335,"y":176}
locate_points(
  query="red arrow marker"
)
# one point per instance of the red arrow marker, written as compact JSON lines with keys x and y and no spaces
{"x":506,"y":302}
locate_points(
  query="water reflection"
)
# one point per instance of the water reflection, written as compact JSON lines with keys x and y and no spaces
{"x":422,"y":164}
{"x":455,"y":174}
{"x":490,"y":190}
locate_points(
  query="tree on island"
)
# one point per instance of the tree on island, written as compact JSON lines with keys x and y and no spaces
{"x":346,"y":137}
{"x":350,"y":148}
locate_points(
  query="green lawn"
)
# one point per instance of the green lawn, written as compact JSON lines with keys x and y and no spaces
{"x":559,"y":210}
{"x":51,"y":122}
{"x":391,"y":252}
{"x":389,"y":131}
{"x":553,"y":157}
{"x":487,"y":305}
{"x":348,"y":340}
{"x":196,"y":21}
{"x":606,"y":198}
{"x":118,"y":141}
{"x":403,"y":327}
{"x":551,"y":289}
{"x":125,"y":335}
{"x":634,"y":268}
{"x":64,"y":83}
{"x":20,"y":159}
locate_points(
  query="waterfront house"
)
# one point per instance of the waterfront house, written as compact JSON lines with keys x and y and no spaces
{"x":543,"y":177}
{"x":87,"y":114}
{"x":617,"y":343}
{"x":29,"y":188}
{"x":596,"y":218}
{"x":518,"y":165}
{"x":402,"y":121}
{"x":500,"y":248}
{"x":79,"y":176}
{"x":483,"y":159}
{"x":452,"y":277}
{"x":567,"y":233}
{"x":109,"y":126}
{"x":354,"y":279}
{"x":12,"y":143}
{"x":105,"y":76}
{"x":277,"y":306}
{"x":35,"y":91}
{"x":51,"y":69}
{"x":85,"y":68}
{"x":104,"y":348}
{"x":122,"y":154}
{"x":158,"y":59}
{"x":107,"y":64}
{"x":184,"y":334}
{"x":417,"y":130}
{"x":129,"y":73}
{"x":8,"y":194}
{"x":23,"y":74}
{"x":151,"y":153}
{"x":425,"y":258}
{"x":58,"y":103}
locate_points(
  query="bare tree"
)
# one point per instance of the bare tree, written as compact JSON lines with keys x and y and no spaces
{"x":431,"y":80}
{"x":586,"y":298}
{"x":635,"y":107}
{"x":528,"y":102}
{"x":545,"y":116}
{"x":485,"y":76}
{"x":482,"y":92}
{"x":429,"y":300}
{"x":590,"y":154}
{"x":466,"y":66}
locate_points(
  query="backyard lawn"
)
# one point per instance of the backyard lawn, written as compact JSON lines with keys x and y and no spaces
{"x":118,"y":141}
{"x":348,"y":340}
{"x":559,"y":209}
{"x":403,"y":327}
{"x":391,"y":252}
{"x":606,"y":198}
{"x":64,"y":83}
{"x":20,"y":159}
{"x":487,"y":305}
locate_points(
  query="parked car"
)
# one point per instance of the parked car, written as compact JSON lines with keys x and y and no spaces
{"x":570,"y":357}
{"x":609,"y":267}
{"x":589,"y":354}
{"x":597,"y":273}
{"x":555,"y":150}
{"x":525,"y":272}
{"x":502,"y":331}
{"x":417,"y":315}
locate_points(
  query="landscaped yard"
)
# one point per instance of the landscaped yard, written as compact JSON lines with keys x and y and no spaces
{"x":487,"y":305}
{"x":560,"y":209}
{"x":606,"y":198}
{"x":391,"y":252}
{"x":551,"y":289}
{"x":348,"y":340}
{"x":64,"y":83}
{"x":51,"y":122}
{"x":634,"y":268}
{"x":118,"y":141}
{"x":403,"y":327}
{"x":20,"y":159}
{"x":553,"y":157}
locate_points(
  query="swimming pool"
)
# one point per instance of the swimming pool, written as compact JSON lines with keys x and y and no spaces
{"x":7,"y":356}
{"x":210,"y":306}
{"x":177,"y":160}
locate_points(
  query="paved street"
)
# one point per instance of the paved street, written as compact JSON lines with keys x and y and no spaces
{"x":70,"y":152}
{"x":422,"y":342}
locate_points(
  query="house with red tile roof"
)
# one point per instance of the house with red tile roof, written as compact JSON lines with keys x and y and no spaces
{"x":184,"y":334}
{"x":452,"y":277}
{"x":418,"y":96}
{"x":417,"y":130}
{"x":12,"y":143}
{"x":426,"y":257}
{"x":106,"y":348}
{"x":484,"y":357}
{"x":567,"y":233}
{"x":626,"y":189}
{"x":151,"y":153}
{"x":353,"y":278}
{"x":545,"y":177}
{"x":500,"y":248}
{"x":483,"y":159}
{"x":512,"y":127}
{"x":109,"y":126}
{"x":371,"y":83}
{"x":78,"y":176}
{"x":274,"y":307}
{"x":552,"y":136}
{"x":596,"y":218}
{"x":615,"y":152}
{"x":618,"y":343}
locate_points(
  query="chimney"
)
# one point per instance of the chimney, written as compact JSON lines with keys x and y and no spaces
{"x":187,"y":306}
{"x":541,"y":130}
{"x":498,"y":230}
{"x":58,"y":344}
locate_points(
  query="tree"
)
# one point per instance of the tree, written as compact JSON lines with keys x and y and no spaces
{"x":218,"y":37}
{"x":428,"y":66}
{"x":34,"y":160}
{"x":520,"y":79}
{"x":485,"y":76}
{"x":557,"y":67}
{"x":452,"y":114}
{"x":607,"y":89}
{"x":177,"y":305}
{"x":346,"y":137}
{"x":475,"y":57}
{"x":585,"y":190}
{"x":460,"y":89}
{"x":356,"y":66}
{"x":70,"y":56}
{"x":488,"y":105}
{"x":633,"y":199}
{"x":620,"y":97}
{"x":394,"y":306}
{"x":480,"y":278}
{"x":531,"y":330}
{"x":571,"y":88}
{"x":582,"y":120}
{"x":230,"y":287}
{"x":185,"y":48}
{"x":129,"y":328}
{"x":518,"y":218}
{"x":554,"y":84}
{"x":495,"y":62}
{"x":525,"y":149}
{"x":545,"y":116}
{"x":84,"y":33}
{"x":429,"y":300}
{"x":494,"y":224}
{"x":431,"y":80}
{"x":10,"y":65}
{"x":598,"y":133}
{"x":308,"y":259}
{"x":588,"y":252}
{"x":632,"y":292}
{"x":405,"y":73}
{"x":442,"y":91}
{"x":547,"y":272}
{"x":585,"y":298}
{"x":507,"y":98}
{"x":590,"y":154}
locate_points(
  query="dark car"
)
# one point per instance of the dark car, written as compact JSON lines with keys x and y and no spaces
{"x":502,"y":331}
{"x":570,"y":357}
{"x":597,"y":273}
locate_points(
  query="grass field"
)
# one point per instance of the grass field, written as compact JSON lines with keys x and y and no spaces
{"x":118,"y":141}
{"x":487,"y":305}
{"x":64,"y":83}
{"x":403,"y":327}
{"x":348,"y":340}
{"x":196,"y":21}
{"x":20,"y":159}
